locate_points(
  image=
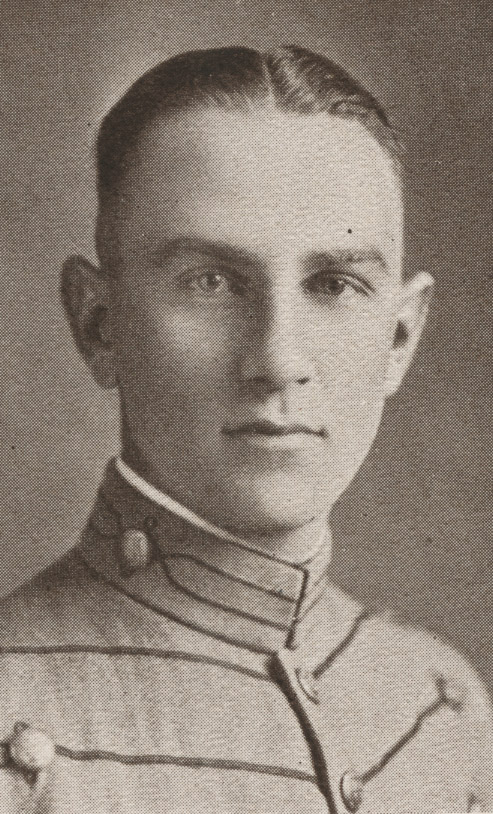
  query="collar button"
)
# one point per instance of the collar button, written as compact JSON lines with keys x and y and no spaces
{"x":136,"y":551}
{"x":351,"y":791}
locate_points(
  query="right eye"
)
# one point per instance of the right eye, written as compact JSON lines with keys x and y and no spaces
{"x":213,"y":283}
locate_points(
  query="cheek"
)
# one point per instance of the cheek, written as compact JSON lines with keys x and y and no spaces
{"x":165,"y":356}
{"x":353,"y":371}
{"x":195,"y":354}
{"x":354,"y":360}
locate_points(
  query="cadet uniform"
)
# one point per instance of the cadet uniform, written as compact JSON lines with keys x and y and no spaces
{"x":159,"y":667}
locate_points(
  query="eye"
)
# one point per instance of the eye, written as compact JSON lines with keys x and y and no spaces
{"x":335,"y":284}
{"x":212,"y":283}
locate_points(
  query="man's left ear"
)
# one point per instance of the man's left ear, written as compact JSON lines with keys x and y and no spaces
{"x":411,"y":318}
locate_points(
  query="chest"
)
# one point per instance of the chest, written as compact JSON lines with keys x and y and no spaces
{"x":141,"y":732}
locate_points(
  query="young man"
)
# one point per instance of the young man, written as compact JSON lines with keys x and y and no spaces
{"x":190,"y":654}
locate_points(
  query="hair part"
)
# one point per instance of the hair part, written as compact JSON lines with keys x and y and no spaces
{"x":291,"y":78}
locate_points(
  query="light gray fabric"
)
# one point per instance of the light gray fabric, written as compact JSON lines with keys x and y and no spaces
{"x":152,"y":713}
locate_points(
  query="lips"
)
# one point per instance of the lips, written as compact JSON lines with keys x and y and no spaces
{"x":272,"y":429}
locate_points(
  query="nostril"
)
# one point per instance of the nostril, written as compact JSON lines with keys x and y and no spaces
{"x":303,"y":380}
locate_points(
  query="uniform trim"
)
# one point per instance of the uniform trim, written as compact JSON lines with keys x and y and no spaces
{"x":443,"y":700}
{"x":46,"y":650}
{"x":243,"y":614}
{"x":292,"y":627}
{"x":164,"y":558}
{"x":90,"y":755}
{"x":326,"y":663}
{"x":242,"y":645}
{"x":403,"y":740}
{"x":246,"y":620}
{"x":215,"y":570}
{"x":189,"y":762}
{"x":235,"y":542}
{"x":318,"y":759}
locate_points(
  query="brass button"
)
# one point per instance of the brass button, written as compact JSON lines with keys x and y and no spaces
{"x":136,"y":550}
{"x":31,"y":749}
{"x":351,"y":791}
{"x":307,"y":682}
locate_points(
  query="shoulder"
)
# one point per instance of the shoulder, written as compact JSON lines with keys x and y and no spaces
{"x":408,"y":709}
{"x":414,"y":650}
{"x":408,"y":654}
{"x":395,"y":647}
{"x":56,"y":606}
{"x":414,"y":657}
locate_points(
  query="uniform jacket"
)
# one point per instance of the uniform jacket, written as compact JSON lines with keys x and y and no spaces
{"x":158,"y":668}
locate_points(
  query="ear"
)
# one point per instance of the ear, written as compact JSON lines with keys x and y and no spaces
{"x":413,"y":310}
{"x":85,"y":297}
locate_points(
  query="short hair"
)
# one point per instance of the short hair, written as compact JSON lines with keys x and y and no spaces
{"x":292,"y":78}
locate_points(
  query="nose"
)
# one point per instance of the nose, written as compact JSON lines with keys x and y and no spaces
{"x":277,"y":353}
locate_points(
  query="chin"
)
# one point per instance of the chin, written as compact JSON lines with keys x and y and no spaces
{"x":276,"y":505}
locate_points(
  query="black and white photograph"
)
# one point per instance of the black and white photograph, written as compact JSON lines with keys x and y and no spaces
{"x":246,"y":407}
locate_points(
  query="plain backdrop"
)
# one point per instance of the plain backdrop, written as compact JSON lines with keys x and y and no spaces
{"x":415,"y":529}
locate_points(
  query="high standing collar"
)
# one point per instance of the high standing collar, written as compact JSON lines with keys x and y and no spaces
{"x":162,"y":499}
{"x":220,"y":586}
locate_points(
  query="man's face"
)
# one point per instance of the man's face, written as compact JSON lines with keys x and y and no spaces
{"x":254,"y":310}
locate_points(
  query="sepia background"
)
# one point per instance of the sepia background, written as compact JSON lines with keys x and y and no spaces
{"x":415,"y":530}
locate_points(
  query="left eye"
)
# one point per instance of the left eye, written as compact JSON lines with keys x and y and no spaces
{"x":334,"y":285}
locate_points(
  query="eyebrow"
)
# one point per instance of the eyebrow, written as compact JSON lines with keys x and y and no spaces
{"x":217,"y":249}
{"x":227,"y":253}
{"x":349,"y":257}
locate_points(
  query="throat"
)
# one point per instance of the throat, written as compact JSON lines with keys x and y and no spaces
{"x":298,"y":545}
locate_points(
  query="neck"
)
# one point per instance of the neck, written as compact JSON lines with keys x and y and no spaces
{"x":297,"y":545}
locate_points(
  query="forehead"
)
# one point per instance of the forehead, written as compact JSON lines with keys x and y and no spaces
{"x":266,"y":178}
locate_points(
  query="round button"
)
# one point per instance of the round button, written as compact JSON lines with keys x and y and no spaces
{"x":306,"y":680}
{"x":31,"y":749}
{"x":351,"y":791}
{"x":136,"y":550}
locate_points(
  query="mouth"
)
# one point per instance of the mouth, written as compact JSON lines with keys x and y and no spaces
{"x":273,"y":435}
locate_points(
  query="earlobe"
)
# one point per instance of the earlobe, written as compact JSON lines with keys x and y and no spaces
{"x":85,"y":297}
{"x":411,"y":319}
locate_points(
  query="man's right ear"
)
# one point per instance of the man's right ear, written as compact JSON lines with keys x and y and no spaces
{"x":85,"y":298}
